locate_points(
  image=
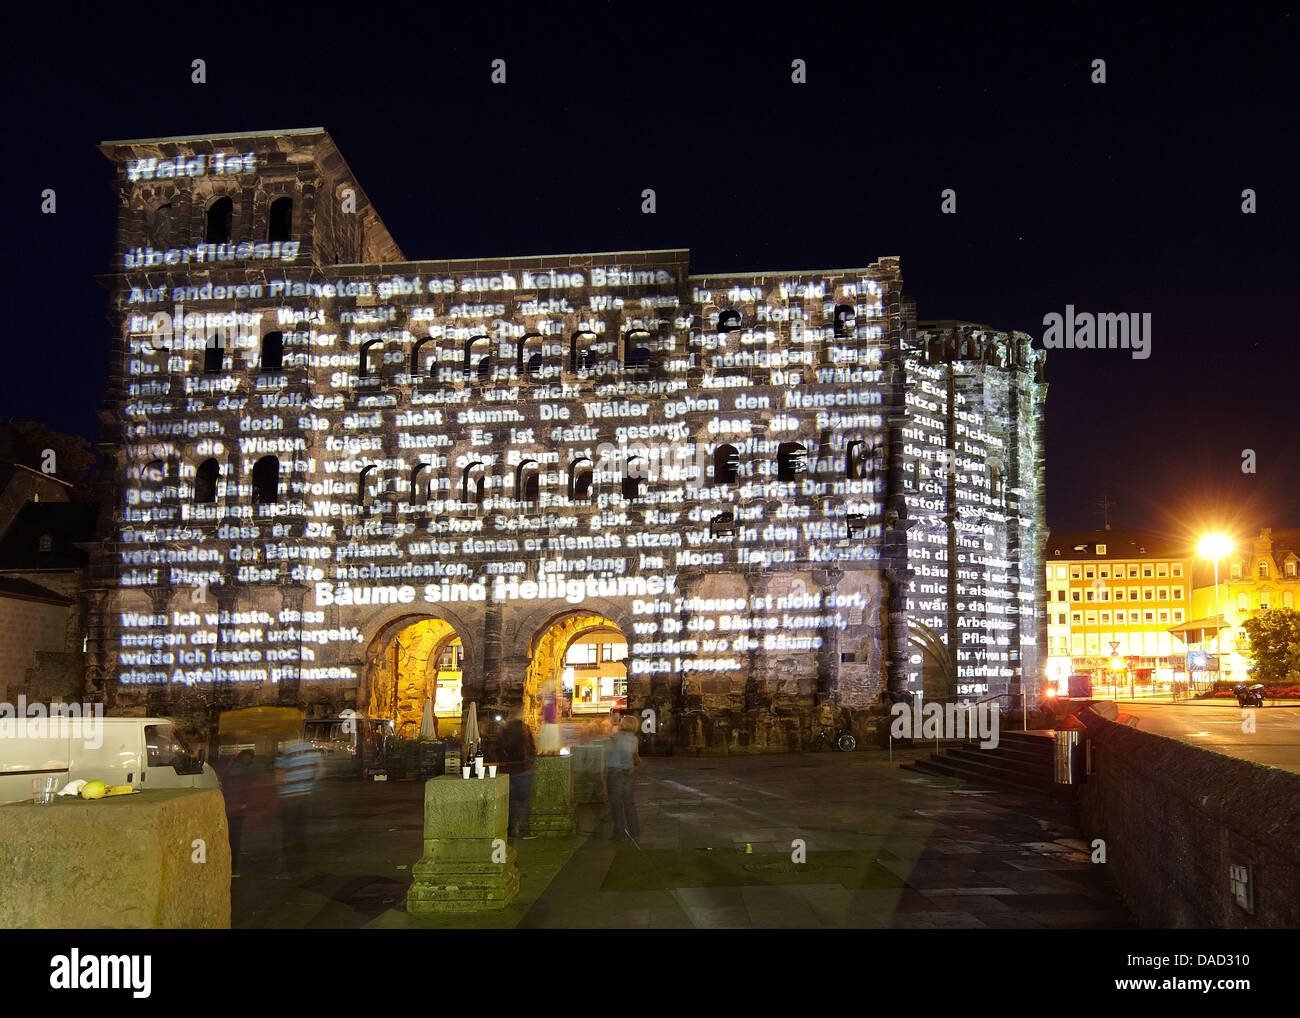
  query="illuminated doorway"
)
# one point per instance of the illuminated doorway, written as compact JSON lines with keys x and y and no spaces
{"x":406,"y":667}
{"x":581,"y":659}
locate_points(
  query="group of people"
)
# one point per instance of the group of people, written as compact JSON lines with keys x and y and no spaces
{"x":622,"y":758}
{"x":297,"y":769}
{"x":298,"y":766}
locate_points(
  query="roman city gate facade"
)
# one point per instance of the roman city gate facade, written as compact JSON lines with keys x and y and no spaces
{"x":771,"y":484}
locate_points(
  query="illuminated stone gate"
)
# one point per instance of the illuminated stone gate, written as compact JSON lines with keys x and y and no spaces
{"x":404,"y":669}
{"x":547,"y":661}
{"x":770,"y":483}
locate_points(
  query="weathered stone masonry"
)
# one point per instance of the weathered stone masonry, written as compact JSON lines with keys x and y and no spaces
{"x":788,"y":495}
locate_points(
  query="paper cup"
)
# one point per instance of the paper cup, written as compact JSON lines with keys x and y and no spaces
{"x":464,"y":771}
{"x":492,"y":770}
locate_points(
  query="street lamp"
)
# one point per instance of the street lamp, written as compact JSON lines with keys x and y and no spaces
{"x":1215,"y":546}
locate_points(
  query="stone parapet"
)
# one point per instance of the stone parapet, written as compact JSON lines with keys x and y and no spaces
{"x":150,"y":860}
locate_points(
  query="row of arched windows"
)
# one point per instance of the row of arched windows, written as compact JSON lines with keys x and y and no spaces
{"x":792,"y":459}
{"x":272,"y":358}
{"x":477,"y":360}
{"x":221,"y":215}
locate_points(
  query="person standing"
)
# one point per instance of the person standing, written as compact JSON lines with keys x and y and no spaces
{"x":236,"y":788}
{"x":517,"y":752}
{"x":296,"y":770}
{"x":621,"y":761}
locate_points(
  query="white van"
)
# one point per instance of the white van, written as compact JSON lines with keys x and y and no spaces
{"x":144,"y":752}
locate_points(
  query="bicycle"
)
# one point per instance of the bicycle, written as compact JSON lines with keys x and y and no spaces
{"x":842,"y":741}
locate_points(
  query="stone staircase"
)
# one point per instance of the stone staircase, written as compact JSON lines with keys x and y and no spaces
{"x":1022,"y":761}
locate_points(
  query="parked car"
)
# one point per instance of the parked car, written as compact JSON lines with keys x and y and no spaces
{"x":351,"y":746}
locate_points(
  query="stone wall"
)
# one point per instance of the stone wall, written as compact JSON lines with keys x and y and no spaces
{"x":1176,"y":817}
{"x":28,"y":629}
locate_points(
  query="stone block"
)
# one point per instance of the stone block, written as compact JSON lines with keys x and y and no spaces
{"x":459,"y":808}
{"x":589,"y":772}
{"x":122,"y":862}
{"x":464,"y":868}
{"x":552,"y":799}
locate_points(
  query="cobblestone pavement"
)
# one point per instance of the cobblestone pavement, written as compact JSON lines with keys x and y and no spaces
{"x":881,"y":848}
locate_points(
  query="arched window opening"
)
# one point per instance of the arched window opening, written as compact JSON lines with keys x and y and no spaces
{"x":726,"y":464}
{"x":281,"y":219}
{"x":214,"y":355}
{"x":273,"y":351}
{"x":163,"y":219}
{"x":580,"y":480}
{"x":857,"y":524}
{"x":528,"y":483}
{"x":370,"y":365}
{"x":529,"y":359}
{"x":205,"y":481}
{"x":635,"y":354}
{"x":418,"y":367}
{"x":723,"y":522}
{"x":729,"y":321}
{"x":855,"y":460}
{"x":791,"y":461}
{"x":420,"y":494}
{"x":1263,"y":570}
{"x":369,"y":484}
{"x":220,"y":213}
{"x":483,"y":367}
{"x":155,"y":471}
{"x":633,"y":476}
{"x":845,"y":320}
{"x":582,"y":358}
{"x":266,"y":480}
{"x":473,"y":487}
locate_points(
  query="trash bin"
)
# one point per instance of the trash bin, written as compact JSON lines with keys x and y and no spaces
{"x":1067,"y":761}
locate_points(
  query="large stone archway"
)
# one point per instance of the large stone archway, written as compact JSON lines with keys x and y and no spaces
{"x":547,"y":652}
{"x":402,"y":671}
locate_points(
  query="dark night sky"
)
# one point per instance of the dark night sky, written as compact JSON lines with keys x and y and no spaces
{"x":1117,"y":197}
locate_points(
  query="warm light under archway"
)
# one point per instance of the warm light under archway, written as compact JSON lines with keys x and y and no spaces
{"x":546,"y":660}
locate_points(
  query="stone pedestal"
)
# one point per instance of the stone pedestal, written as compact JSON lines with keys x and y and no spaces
{"x":462,"y":870}
{"x":552,"y":803}
{"x":589,"y":772}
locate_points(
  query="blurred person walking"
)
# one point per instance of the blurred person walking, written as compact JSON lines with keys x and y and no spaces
{"x":517,"y":752}
{"x":296,"y":770}
{"x":621,"y":761}
{"x":236,"y":788}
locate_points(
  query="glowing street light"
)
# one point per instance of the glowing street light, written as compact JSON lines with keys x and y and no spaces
{"x":1215,"y":546}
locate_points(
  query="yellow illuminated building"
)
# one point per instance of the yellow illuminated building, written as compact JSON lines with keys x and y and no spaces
{"x":595,"y":672}
{"x":1114,"y":601}
{"x":1255,"y":576}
